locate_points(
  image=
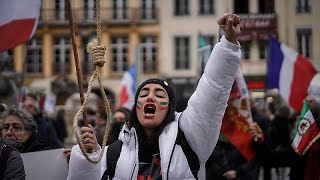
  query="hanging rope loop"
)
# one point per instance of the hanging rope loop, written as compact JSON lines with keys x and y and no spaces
{"x":98,"y":52}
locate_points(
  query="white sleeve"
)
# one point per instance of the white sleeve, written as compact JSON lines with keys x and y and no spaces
{"x":201,"y":121}
{"x":81,"y":168}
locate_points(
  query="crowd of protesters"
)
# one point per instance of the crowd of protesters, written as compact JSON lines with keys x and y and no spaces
{"x":275,"y":157}
{"x":31,"y":131}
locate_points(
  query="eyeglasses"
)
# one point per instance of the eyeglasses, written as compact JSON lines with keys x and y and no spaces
{"x":14,"y":127}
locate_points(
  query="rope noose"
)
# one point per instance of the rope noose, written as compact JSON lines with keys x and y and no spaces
{"x":98,"y":52}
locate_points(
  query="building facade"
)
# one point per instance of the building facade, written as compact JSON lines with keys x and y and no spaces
{"x":126,"y":25}
{"x":170,"y":38}
{"x":298,"y":26}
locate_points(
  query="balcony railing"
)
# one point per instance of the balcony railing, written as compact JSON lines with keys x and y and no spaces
{"x":108,"y":16}
{"x":258,"y":21}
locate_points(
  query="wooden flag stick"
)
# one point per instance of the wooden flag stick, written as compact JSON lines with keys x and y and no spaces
{"x":76,"y":59}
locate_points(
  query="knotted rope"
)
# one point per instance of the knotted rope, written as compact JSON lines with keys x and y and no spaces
{"x":98,"y":53}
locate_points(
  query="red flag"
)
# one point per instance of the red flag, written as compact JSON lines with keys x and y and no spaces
{"x":18,"y":21}
{"x":235,"y":123}
{"x":236,"y":128}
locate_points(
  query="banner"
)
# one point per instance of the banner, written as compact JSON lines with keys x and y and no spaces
{"x":48,"y":165}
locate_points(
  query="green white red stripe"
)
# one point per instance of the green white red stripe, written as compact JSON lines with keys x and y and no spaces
{"x":139,"y":104}
{"x":164,"y":105}
{"x":307,"y":131}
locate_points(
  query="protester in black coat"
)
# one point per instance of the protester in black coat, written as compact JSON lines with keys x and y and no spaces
{"x":120,"y":116}
{"x":46,"y":132}
{"x":60,"y":125}
{"x":227,"y":162}
{"x":11,"y":164}
{"x":307,"y":167}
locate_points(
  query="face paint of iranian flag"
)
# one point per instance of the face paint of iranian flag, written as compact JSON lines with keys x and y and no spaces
{"x":164,"y":105}
{"x":139,"y":105}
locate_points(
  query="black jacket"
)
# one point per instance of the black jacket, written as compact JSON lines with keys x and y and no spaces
{"x":33,"y":144}
{"x":47,"y":133}
{"x":11,"y":164}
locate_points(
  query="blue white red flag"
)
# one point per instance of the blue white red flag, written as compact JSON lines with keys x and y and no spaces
{"x":128,"y":88}
{"x":290,"y":72}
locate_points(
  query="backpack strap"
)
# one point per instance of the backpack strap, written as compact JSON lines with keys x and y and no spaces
{"x":5,"y":151}
{"x":113,"y":154}
{"x":191,"y":156}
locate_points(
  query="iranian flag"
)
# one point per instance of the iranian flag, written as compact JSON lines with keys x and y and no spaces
{"x":307,"y":131}
{"x":18,"y":21}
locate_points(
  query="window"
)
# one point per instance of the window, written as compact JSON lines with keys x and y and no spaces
{"x":206,"y":7}
{"x":245,"y":51}
{"x":241,"y":6}
{"x":266,"y":6}
{"x":303,"y":6}
{"x":87,"y":63}
{"x":6,"y":61}
{"x":120,"y":9}
{"x":181,"y":7}
{"x":34,"y":57}
{"x":149,"y":53}
{"x":182,"y":56}
{"x":119,"y":48}
{"x":89,"y":10}
{"x":60,"y":10}
{"x":263,"y":50}
{"x":62,"y":49}
{"x":148,"y":9}
{"x":304,"y":41}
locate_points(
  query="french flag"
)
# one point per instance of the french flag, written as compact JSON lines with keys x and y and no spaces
{"x":18,"y":21}
{"x":290,"y":72}
{"x":128,"y":88}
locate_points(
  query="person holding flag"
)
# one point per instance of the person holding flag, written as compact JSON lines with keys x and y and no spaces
{"x":237,"y":154}
{"x":306,"y":142}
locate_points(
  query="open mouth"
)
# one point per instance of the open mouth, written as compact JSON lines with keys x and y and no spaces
{"x":149,"y":109}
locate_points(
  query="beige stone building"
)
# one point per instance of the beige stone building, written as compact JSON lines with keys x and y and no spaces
{"x":126,"y":25}
{"x":298,"y":26}
{"x":183,"y":22}
{"x":167,"y":35}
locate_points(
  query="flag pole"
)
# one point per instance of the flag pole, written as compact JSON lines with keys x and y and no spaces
{"x":76,"y":59}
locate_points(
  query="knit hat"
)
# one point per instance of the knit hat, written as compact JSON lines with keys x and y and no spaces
{"x":164,"y":84}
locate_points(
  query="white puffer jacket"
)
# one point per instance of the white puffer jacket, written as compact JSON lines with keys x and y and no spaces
{"x":200,"y":122}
